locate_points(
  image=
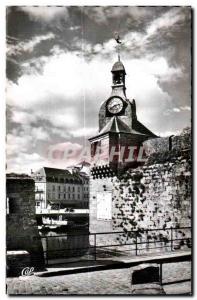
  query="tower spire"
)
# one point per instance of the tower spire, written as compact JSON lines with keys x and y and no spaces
{"x":118,"y":41}
{"x":118,"y":53}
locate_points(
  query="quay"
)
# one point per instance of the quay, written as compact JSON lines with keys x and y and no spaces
{"x":107,"y":277}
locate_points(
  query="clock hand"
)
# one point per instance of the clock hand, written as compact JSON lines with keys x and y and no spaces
{"x":116,"y":106}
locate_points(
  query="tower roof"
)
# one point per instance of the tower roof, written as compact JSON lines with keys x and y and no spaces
{"x":139,"y":128}
{"x":115,"y":125}
{"x":118,"y":66}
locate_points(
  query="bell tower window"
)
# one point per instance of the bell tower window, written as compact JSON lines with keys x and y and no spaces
{"x":118,"y":78}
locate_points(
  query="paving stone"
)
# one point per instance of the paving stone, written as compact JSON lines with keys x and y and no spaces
{"x":108,"y":282}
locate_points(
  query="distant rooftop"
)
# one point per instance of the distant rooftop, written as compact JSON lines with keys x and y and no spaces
{"x":17,"y":176}
{"x":53,"y":173}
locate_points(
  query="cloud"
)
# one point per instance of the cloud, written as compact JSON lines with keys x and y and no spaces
{"x":103,"y":14}
{"x":60,"y":133}
{"x":69,"y":87}
{"x":161,"y":34}
{"x":65,"y":119}
{"x":66,"y":154}
{"x":27,"y":46}
{"x":169,"y":133}
{"x":45,"y":13}
{"x":22,"y":117}
{"x":24,"y":139}
{"x":62,"y":75}
{"x":22,"y":149}
{"x":16,"y":144}
{"x":84,"y":132}
{"x":40,"y":134}
{"x":175,"y":109}
{"x":73,"y":28}
{"x":61,"y":90}
{"x":166,"y":21}
{"x":178,"y":110}
{"x":26,"y":162}
{"x":186,"y":107}
{"x":60,"y":87}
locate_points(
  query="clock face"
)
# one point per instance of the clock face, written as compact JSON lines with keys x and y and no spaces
{"x":115,"y":105}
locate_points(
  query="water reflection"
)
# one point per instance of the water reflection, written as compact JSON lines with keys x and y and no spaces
{"x":65,"y":244}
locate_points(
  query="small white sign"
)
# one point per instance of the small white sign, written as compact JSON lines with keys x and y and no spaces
{"x":104,"y":205}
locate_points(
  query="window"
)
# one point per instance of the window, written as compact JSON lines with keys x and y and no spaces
{"x":38,"y":204}
{"x":64,"y":188}
{"x":53,"y":187}
{"x":78,"y":196}
{"x":59,"y":187}
{"x":69,"y":188}
{"x":68,"y":196}
{"x":73,"y":188}
{"x":64,"y":196}
{"x":59,"y":196}
{"x":78,"y":189}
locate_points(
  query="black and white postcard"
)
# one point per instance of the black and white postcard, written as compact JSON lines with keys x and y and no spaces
{"x":99,"y":150}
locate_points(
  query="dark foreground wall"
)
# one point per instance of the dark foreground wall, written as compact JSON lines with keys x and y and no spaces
{"x":22,"y":232}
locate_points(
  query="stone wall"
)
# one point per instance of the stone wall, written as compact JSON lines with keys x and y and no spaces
{"x":21,"y":226}
{"x":178,"y":142}
{"x":96,"y":186}
{"x":157,"y":195}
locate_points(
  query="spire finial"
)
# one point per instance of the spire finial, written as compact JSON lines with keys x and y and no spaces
{"x":118,"y":41}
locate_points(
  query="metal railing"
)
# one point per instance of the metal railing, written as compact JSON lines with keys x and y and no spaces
{"x":93,"y":244}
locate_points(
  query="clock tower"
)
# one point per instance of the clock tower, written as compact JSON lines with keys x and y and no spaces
{"x":116,"y":146}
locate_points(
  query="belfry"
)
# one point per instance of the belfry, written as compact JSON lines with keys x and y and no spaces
{"x":119,"y":130}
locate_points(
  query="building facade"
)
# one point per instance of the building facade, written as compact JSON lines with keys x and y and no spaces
{"x":58,"y":188}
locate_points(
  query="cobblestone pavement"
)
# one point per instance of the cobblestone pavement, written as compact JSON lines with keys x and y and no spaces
{"x":116,"y":282}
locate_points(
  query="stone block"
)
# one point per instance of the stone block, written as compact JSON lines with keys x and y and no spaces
{"x":145,"y":280}
{"x":16,"y":261}
{"x":145,"y":273}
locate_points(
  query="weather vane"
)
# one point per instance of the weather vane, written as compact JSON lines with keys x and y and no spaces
{"x":119,"y":42}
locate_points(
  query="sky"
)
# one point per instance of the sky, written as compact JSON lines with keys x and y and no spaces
{"x":59,"y":62}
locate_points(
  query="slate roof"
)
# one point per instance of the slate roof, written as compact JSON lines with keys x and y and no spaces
{"x":17,"y":176}
{"x":141,"y":129}
{"x":118,"y":66}
{"x":53,"y":172}
{"x":115,"y":125}
{"x":57,"y":172}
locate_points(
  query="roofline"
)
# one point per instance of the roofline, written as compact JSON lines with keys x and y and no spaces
{"x":130,"y":133}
